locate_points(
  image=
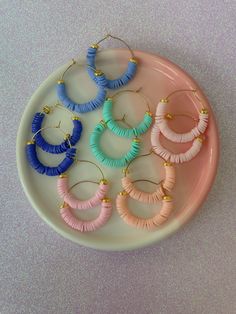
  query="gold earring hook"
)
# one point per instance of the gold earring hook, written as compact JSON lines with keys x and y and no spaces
{"x":180,"y":91}
{"x":98,"y":72}
{"x":58,"y":126}
{"x":104,"y":38}
{"x":48,"y":109}
{"x":194,"y":91}
{"x":146,"y":180}
{"x":126,"y":91}
{"x":166,"y":162}
{"x":170,"y":116}
{"x":124,"y":121}
{"x":84,"y":181}
{"x":140,"y":156}
{"x":59,"y":106}
{"x":69,"y":66}
{"x":117,"y":38}
{"x":151,"y":151}
{"x":135,"y":91}
{"x":198,"y":98}
{"x":93,"y":163}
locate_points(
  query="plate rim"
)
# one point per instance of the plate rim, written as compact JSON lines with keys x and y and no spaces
{"x":173,"y":226}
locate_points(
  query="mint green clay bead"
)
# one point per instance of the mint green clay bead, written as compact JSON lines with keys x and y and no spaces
{"x":115,"y":127}
{"x":103,"y":158}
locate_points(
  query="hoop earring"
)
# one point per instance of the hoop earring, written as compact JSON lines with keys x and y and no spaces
{"x":122,"y":131}
{"x":65,"y":192}
{"x":51,"y":148}
{"x":105,"y":82}
{"x":33,"y":160}
{"x":151,"y":198}
{"x":170,"y":156}
{"x":87,"y":225}
{"x":70,"y":201}
{"x":143,"y":223}
{"x":102,"y":157}
{"x":73,"y":106}
{"x":162,"y":116}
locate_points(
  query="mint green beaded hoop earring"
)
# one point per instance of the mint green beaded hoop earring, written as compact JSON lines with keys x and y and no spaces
{"x":102,"y":157}
{"x":113,"y":125}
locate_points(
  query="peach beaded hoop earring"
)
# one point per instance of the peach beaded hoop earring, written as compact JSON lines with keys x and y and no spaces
{"x":161,"y":127}
{"x":159,"y":195}
{"x":72,"y":202}
{"x":145,"y":197}
{"x":143,"y":223}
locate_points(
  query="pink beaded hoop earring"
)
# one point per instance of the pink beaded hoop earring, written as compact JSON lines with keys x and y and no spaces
{"x":162,"y":116}
{"x":71,"y":202}
{"x":65,"y":192}
{"x":165,"y":185}
{"x":170,"y":156}
{"x":87,"y":225}
{"x":196,"y":134}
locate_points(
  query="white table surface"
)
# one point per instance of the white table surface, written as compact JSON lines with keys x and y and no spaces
{"x":191,"y":272}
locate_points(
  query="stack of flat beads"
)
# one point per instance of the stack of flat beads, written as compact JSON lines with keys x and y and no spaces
{"x":111,"y":84}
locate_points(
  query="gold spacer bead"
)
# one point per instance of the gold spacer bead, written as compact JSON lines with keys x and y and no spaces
{"x":63,"y":175}
{"x":149,"y":113}
{"x":123,"y":193}
{"x":125,"y":170}
{"x":204,"y":111}
{"x":46,"y":109}
{"x":133,"y":60}
{"x":94,"y":46}
{"x":168,"y":164}
{"x":103,"y":123}
{"x":67,"y":137}
{"x":167,"y":198}
{"x":75,"y":118}
{"x":108,"y":98}
{"x":104,"y":182}
{"x":169,"y":116}
{"x":30,"y":142}
{"x":164,"y":101}
{"x":200,"y":138}
{"x":60,"y":82}
{"x":63,"y":205}
{"x":106,"y":200}
{"x":136,"y":140}
{"x":98,"y":73}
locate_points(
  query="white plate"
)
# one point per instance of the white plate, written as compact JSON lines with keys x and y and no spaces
{"x":158,"y":77}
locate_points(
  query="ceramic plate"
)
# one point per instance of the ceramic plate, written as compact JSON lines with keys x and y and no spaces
{"x":157,"y":77}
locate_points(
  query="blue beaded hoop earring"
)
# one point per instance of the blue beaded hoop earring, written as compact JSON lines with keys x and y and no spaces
{"x":36,"y":164}
{"x":73,"y":106}
{"x":102,"y":157}
{"x":112,"y":124}
{"x":51,"y":148}
{"x":99,"y":77}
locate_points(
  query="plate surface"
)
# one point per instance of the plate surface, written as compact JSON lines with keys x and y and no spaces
{"x":158,"y":77}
